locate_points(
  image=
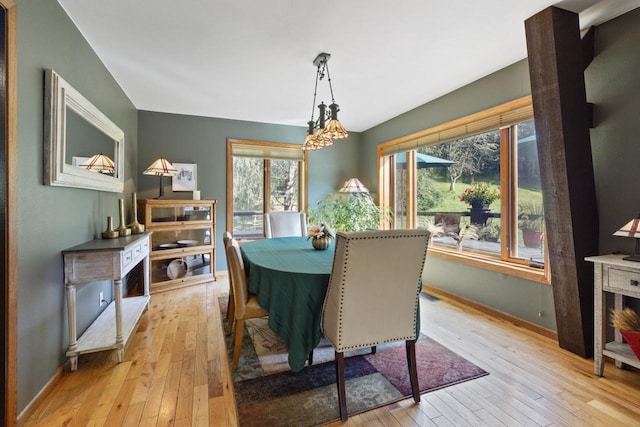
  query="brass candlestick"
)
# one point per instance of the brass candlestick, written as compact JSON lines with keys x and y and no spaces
{"x":122,"y":229}
{"x":136,"y":227}
{"x":110,"y":233}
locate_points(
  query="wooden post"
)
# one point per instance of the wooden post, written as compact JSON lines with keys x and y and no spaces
{"x":556,"y":69}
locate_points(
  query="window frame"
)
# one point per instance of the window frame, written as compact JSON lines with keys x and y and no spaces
{"x":268,"y":149}
{"x":502,"y":262}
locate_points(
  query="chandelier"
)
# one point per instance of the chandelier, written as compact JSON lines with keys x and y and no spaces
{"x":320,"y":133}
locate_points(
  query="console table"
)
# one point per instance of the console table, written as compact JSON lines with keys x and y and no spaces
{"x":99,"y":260}
{"x":622,"y":279}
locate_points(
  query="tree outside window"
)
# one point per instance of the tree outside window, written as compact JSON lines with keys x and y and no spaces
{"x":264,"y":177}
{"x":503,"y":159}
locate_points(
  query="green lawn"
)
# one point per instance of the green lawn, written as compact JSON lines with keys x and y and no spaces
{"x":451,"y":200}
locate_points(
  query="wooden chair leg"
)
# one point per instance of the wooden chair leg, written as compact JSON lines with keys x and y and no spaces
{"x":230,"y":305}
{"x":231,"y":314}
{"x":373,"y":349}
{"x":342,"y":396}
{"x":413,"y":369}
{"x":311,"y":358}
{"x":237,"y":342}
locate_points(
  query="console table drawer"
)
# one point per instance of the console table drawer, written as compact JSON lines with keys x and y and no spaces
{"x":87,"y":267}
{"x":127,"y":258}
{"x":623,"y":280}
{"x":131,"y":256}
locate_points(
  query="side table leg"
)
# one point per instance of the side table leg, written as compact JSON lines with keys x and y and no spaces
{"x":618,"y":304}
{"x":145,"y":276}
{"x":117,"y":290}
{"x":600,"y":316}
{"x":71,"y":313}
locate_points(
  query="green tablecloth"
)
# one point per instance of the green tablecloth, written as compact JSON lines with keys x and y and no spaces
{"x":290,"y":279}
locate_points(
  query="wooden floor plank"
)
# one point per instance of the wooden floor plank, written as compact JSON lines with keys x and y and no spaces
{"x":134,"y":415}
{"x":613,"y":415}
{"x":154,"y":398}
{"x":200,"y":410}
{"x":110,"y":392}
{"x":121,"y":404}
{"x":176,"y":372}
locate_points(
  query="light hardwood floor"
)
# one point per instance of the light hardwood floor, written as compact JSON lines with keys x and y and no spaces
{"x":176,"y":372}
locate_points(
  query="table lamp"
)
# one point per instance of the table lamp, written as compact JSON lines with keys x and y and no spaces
{"x":630,"y":229}
{"x":353,"y":185}
{"x":161,"y":167}
{"x":99,"y":163}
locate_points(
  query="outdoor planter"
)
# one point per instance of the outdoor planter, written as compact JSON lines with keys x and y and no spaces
{"x":532,"y":238}
{"x":480,"y":214}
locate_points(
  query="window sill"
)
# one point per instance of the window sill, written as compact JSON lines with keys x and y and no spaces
{"x":486,"y":262}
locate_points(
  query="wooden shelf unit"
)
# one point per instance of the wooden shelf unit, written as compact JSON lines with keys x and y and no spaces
{"x":620,"y":278}
{"x":182,"y":251}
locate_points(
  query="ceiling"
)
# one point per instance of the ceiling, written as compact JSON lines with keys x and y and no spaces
{"x":252,"y":60}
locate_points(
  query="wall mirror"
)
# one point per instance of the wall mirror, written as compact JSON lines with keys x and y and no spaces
{"x":75,"y":131}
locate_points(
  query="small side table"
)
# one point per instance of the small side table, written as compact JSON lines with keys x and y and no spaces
{"x":622,"y":279}
{"x":98,"y":260}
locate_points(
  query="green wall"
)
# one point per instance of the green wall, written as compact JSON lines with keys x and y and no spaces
{"x":613,"y":86}
{"x":203,"y":140}
{"x":54,"y":218}
{"x":522,"y":298}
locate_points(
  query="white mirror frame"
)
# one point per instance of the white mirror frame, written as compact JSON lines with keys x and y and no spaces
{"x":57,"y":172}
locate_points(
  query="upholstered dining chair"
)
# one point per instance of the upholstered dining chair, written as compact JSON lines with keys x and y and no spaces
{"x":373,"y":294}
{"x":246,"y":306}
{"x":285,"y":224}
{"x":226,"y":240}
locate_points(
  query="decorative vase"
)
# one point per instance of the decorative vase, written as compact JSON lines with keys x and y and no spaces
{"x":136,"y":227}
{"x":633,"y":339}
{"x":110,"y":233}
{"x":122,"y":229}
{"x":479,"y":214}
{"x":321,"y":243}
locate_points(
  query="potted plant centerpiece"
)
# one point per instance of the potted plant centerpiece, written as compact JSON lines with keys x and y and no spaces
{"x":531,"y":222}
{"x":479,"y":196}
{"x":321,"y":236}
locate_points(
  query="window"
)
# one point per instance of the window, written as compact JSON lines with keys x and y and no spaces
{"x":263,"y":177}
{"x":433,"y":179}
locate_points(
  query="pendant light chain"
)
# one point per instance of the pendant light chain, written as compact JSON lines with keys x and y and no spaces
{"x":315,"y":93}
{"x":326,"y":65}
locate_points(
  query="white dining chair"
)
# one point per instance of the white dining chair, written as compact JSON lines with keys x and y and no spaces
{"x":373,"y":295}
{"x":285,"y":224}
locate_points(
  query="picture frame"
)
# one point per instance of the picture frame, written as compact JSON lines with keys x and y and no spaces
{"x":186,"y":179}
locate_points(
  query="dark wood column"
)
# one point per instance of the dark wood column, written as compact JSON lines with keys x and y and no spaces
{"x":556,"y":68}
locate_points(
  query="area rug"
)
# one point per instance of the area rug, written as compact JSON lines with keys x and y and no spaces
{"x":268,"y":394}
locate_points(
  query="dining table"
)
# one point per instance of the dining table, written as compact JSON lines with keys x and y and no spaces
{"x":290,"y":278}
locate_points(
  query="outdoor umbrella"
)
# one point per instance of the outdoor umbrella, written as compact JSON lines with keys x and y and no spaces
{"x":423,"y":161}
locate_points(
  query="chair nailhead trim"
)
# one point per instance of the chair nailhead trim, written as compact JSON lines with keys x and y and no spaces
{"x":344,"y":268}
